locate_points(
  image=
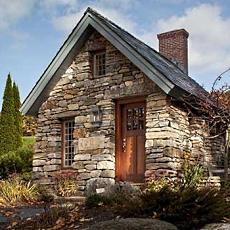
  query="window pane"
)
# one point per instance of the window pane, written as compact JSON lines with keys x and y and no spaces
{"x":99,"y":64}
{"x":68,"y":143}
{"x":135,"y":118}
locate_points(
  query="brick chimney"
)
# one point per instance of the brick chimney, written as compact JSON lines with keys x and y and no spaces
{"x":174,"y":46}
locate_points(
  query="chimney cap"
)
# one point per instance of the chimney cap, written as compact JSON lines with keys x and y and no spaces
{"x":173,"y":33}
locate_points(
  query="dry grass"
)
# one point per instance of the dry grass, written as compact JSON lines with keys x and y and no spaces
{"x":15,"y":191}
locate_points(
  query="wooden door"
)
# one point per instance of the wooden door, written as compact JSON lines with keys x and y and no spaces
{"x":130,"y":154}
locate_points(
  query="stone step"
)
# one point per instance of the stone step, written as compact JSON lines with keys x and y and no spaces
{"x":137,"y":185}
{"x":220,"y":172}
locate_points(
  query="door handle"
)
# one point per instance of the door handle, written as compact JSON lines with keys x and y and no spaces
{"x":124,"y":144}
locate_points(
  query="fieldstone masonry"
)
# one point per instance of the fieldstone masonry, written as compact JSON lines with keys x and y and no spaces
{"x":169,"y":132}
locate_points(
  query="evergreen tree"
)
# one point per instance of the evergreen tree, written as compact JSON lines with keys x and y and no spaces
{"x":7,"y":124}
{"x":17,"y":116}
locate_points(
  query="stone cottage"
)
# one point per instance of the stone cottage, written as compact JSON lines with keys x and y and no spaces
{"x":110,"y":108}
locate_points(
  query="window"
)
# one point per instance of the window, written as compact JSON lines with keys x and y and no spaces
{"x":99,"y":63}
{"x":135,"y":118}
{"x":67,"y":142}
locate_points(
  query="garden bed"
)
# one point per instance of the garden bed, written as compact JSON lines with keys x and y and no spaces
{"x":55,"y":216}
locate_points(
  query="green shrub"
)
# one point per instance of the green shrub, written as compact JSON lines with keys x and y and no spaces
{"x":17,"y":116}
{"x":8,"y":130}
{"x":19,"y":161}
{"x":115,"y":196}
{"x":26,"y":155}
{"x":158,"y":184}
{"x":191,"y":174}
{"x":26,"y":176}
{"x":96,"y":200}
{"x":186,"y":208}
{"x":44,"y":195}
{"x":119,"y":193}
{"x":10,"y":163}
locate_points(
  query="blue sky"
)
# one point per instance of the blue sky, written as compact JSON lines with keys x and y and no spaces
{"x":32,"y":31}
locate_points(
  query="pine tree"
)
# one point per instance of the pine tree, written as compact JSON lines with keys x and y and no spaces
{"x":7,"y":124}
{"x":17,"y":116}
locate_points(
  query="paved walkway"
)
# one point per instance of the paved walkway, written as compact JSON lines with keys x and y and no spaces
{"x":9,"y":214}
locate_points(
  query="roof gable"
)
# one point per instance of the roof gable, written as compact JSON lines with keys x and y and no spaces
{"x":159,"y":69}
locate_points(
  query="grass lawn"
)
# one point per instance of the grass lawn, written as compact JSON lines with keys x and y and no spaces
{"x":29,"y":140}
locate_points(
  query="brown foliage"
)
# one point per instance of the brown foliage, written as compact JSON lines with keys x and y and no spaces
{"x":214,"y":109}
{"x":29,"y":126}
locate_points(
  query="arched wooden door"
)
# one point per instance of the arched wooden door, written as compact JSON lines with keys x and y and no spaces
{"x":130,"y":140}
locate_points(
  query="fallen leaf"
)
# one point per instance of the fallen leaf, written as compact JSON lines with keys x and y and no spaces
{"x":14,"y":223}
{"x":8,"y":213}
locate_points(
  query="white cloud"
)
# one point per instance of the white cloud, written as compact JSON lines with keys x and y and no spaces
{"x":72,"y":11}
{"x":50,"y":4}
{"x":209,"y":39}
{"x":209,"y":46}
{"x":13,"y":10}
{"x":116,"y":5}
{"x":67,"y":22}
{"x":118,"y":13}
{"x":55,"y":8}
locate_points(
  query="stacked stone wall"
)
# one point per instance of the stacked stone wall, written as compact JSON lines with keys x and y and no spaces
{"x":170,"y":134}
{"x":167,"y":137}
{"x":75,"y":95}
{"x":173,"y":137}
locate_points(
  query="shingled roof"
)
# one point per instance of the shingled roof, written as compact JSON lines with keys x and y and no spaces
{"x":168,"y":76}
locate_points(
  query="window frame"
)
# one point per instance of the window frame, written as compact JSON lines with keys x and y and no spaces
{"x":94,"y":63}
{"x":63,"y":142}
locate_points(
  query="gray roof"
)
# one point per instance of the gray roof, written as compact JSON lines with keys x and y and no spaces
{"x":165,"y":66}
{"x":168,"y":76}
